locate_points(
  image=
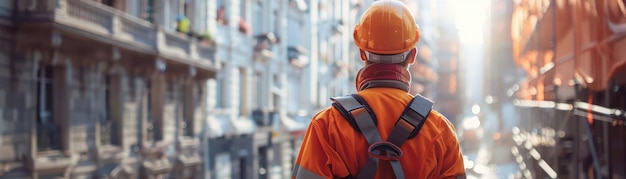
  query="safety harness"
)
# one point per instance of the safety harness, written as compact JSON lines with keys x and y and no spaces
{"x":361,"y":117}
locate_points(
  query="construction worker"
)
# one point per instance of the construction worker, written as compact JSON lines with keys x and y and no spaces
{"x":346,"y":140}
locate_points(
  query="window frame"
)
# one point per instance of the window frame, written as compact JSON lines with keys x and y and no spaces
{"x":44,"y":83}
{"x":107,"y":114}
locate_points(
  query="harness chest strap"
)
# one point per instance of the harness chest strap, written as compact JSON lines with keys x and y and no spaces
{"x":361,"y":117}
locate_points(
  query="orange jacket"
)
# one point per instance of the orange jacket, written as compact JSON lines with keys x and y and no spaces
{"x":333,"y":149}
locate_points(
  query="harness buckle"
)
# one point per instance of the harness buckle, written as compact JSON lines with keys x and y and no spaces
{"x":392,"y":151}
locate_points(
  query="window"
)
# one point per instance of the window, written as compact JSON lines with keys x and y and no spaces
{"x":108,"y":2}
{"x":132,"y":87}
{"x":220,"y":87}
{"x":259,"y":90}
{"x":263,"y":163}
{"x":242,"y":9}
{"x":108,"y":126}
{"x":48,"y":130}
{"x":219,"y":93}
{"x":193,"y":101}
{"x":258,"y":18}
{"x":186,"y":9}
{"x":243,"y":96}
{"x":276,"y":96}
{"x":277,"y":23}
{"x":221,"y":12}
{"x":148,"y":11}
{"x":219,"y":3}
{"x":199,"y":98}
{"x":242,"y":167}
{"x":244,"y":25}
{"x":293,"y":94}
{"x":133,"y":8}
{"x":276,"y":100}
{"x":223,"y":167}
{"x":172,"y":96}
{"x":151,"y":129}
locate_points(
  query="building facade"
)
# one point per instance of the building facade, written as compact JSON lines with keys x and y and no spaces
{"x":166,"y":89}
{"x":101,"y":89}
{"x":258,"y":112}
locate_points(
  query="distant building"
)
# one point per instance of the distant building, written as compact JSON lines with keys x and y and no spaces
{"x":250,"y":135}
{"x":436,"y":73}
{"x":501,"y":73}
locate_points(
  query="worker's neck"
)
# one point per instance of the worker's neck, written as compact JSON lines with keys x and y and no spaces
{"x":383,"y":75}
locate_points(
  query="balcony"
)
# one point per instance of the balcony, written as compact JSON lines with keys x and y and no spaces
{"x":109,"y":25}
{"x":263,"y":46}
{"x":296,"y":55}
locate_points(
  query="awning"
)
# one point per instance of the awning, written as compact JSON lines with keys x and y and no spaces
{"x":224,"y":124}
{"x":295,"y":124}
{"x":244,"y":125}
{"x":219,"y":125}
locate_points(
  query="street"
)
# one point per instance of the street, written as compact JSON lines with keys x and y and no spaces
{"x":490,"y":161}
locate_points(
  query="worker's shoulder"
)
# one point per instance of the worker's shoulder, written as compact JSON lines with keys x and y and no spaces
{"x":441,"y":127}
{"x":440,"y":122}
{"x":325,"y":116}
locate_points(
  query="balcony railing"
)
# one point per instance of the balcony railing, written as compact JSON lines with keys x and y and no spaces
{"x":98,"y":18}
{"x":138,"y":30}
{"x":111,"y":23}
{"x":206,"y":53}
{"x":175,"y":44}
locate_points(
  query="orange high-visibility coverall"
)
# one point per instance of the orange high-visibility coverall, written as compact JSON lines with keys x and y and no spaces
{"x":331,"y":148}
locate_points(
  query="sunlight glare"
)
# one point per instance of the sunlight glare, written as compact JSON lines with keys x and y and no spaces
{"x":470,"y":17}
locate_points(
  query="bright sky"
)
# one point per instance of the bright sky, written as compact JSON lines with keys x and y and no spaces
{"x":470,"y":17}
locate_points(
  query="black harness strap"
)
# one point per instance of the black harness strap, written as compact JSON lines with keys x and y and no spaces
{"x":364,"y":120}
{"x":411,"y":120}
{"x":354,"y":109}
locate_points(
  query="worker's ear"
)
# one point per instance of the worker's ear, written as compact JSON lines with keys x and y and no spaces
{"x":363,"y":55}
{"x":411,"y":56}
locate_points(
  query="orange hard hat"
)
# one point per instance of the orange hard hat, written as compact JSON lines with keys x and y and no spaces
{"x":387,"y":27}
